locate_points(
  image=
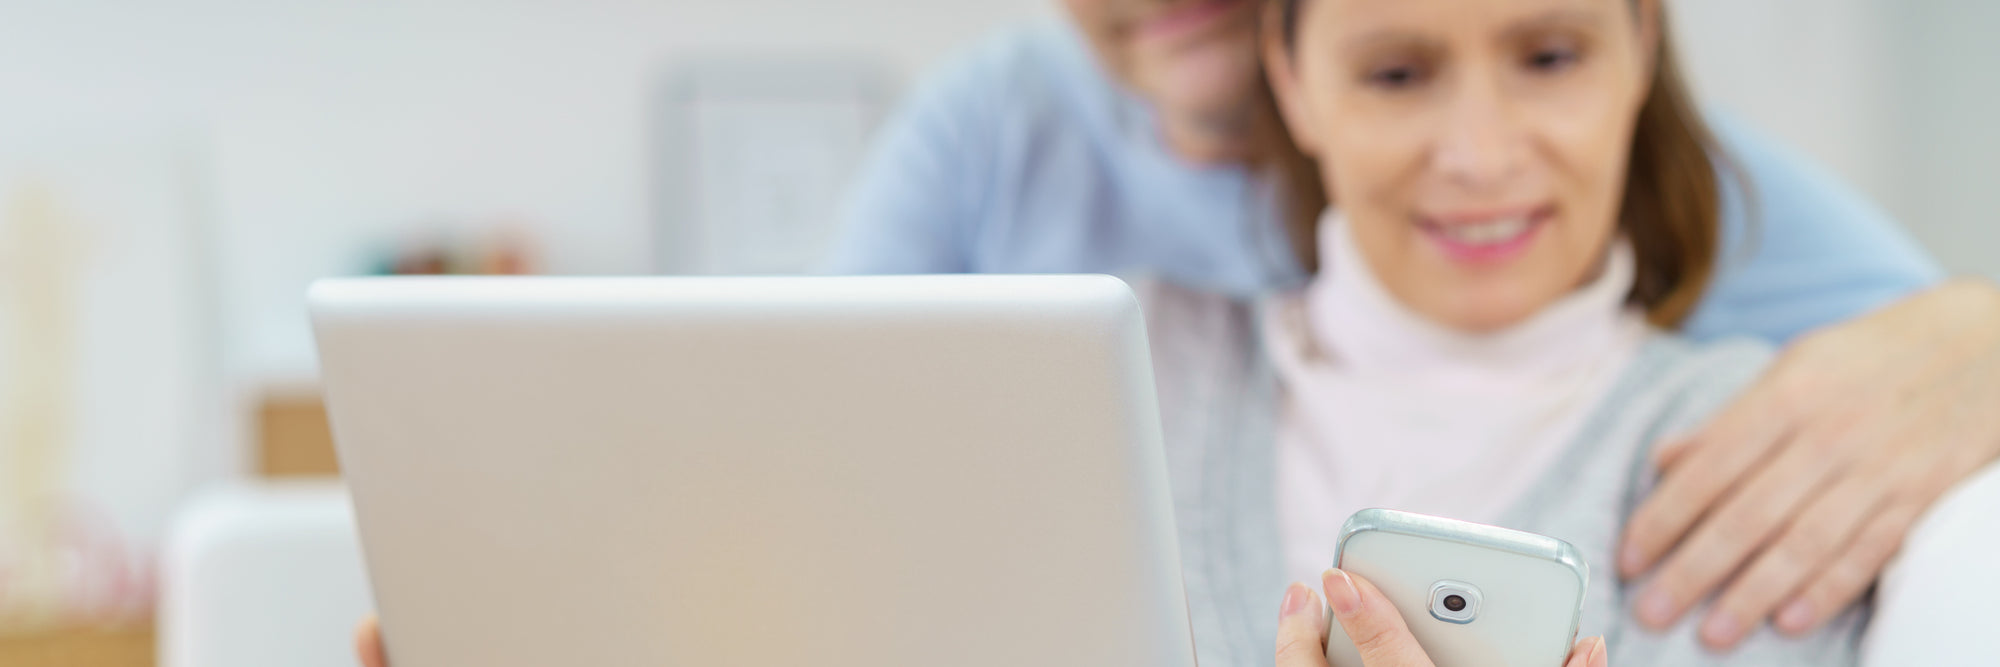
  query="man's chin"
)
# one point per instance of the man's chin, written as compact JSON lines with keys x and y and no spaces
{"x":1216,"y":81}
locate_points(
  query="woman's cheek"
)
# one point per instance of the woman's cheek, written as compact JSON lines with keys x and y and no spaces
{"x":1586,"y":147}
{"x":1375,"y":151}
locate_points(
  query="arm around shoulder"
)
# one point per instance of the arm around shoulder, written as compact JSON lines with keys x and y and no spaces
{"x":1802,"y":249}
{"x":911,"y":205}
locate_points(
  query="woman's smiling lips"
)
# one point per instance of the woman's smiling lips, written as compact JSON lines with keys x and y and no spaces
{"x":1485,"y":237}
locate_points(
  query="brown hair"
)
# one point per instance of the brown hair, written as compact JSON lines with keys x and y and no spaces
{"x":1671,"y":209}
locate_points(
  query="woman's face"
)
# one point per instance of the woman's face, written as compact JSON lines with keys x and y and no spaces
{"x":1477,"y":147}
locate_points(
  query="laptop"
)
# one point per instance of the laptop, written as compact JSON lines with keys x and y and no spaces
{"x":840,"y":472}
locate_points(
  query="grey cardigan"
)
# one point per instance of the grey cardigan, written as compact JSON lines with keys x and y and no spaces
{"x":1219,"y":402}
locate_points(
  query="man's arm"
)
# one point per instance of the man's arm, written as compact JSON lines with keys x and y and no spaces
{"x":1791,"y":500}
{"x":916,"y":198}
{"x":1801,"y":250}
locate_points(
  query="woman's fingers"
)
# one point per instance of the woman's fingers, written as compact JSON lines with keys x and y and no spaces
{"x":1373,"y":623}
{"x":368,"y":643}
{"x":1588,"y":653}
{"x":1301,"y":629}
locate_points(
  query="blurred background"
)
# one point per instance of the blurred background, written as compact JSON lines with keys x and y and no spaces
{"x":174,"y":173}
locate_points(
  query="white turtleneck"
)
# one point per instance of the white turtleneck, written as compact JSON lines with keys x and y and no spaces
{"x":1384,"y":408}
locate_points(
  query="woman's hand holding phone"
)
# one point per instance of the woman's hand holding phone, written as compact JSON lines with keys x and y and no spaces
{"x":368,"y":644}
{"x":1374,"y":624}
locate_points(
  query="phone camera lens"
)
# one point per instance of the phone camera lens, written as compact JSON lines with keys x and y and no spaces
{"x":1454,"y":602}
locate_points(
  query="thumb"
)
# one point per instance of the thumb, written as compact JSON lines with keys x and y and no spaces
{"x":1301,"y":629}
{"x":1588,"y":653}
{"x":368,"y":643}
{"x":1376,"y":628}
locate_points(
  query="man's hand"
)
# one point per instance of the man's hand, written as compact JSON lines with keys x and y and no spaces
{"x":1805,"y":486}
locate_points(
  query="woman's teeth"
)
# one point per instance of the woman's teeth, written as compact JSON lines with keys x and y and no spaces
{"x":1487,"y":233}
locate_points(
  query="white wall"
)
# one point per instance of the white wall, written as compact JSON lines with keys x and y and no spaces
{"x":1947,"y":128}
{"x":337,"y":122}
{"x":1900,"y":97}
{"x":1811,"y":72}
{"x":323,"y":127}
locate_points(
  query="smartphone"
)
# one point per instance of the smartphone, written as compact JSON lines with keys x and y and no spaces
{"x":1473,"y":595}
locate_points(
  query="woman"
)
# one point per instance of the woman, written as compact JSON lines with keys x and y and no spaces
{"x":1524,"y":206}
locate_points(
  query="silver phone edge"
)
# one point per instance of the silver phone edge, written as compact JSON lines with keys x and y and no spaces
{"x":1479,"y":534}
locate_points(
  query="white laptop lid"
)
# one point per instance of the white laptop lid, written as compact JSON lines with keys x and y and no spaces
{"x":881,"y":471}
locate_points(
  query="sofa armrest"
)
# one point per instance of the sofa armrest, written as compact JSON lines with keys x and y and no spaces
{"x":1937,"y":602}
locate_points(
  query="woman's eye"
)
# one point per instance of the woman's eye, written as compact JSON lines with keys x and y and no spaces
{"x":1553,"y":60}
{"x":1394,"y":78}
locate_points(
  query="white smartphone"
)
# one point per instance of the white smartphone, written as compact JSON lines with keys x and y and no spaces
{"x":1473,"y":595}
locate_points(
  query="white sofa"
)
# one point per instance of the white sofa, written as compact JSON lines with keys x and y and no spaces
{"x":1939,"y":602}
{"x":262,"y":574}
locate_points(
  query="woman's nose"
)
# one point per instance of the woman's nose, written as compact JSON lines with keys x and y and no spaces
{"x":1482,"y":143}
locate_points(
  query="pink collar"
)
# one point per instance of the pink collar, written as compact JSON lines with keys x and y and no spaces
{"x":1358,"y":324}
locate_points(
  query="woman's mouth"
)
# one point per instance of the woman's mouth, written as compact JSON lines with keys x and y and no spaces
{"x":1486,"y":237}
{"x":1186,"y":19}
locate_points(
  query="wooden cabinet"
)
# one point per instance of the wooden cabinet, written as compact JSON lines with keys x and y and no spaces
{"x":103,"y":647}
{"x":293,"y":438}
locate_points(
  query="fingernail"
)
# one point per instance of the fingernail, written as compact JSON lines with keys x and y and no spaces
{"x":1341,"y":593}
{"x":1796,"y":617}
{"x":1599,"y":654}
{"x":1295,"y":600}
{"x":1721,"y":629}
{"x":1656,"y":608}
